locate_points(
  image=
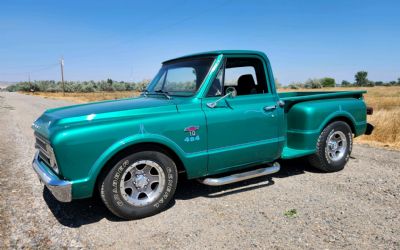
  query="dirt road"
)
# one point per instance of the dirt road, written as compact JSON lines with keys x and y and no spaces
{"x":358,"y":207}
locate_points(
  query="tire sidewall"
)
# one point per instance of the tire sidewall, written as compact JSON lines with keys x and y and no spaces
{"x":112,"y":191}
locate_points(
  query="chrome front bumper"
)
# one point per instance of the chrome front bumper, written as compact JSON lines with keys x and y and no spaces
{"x":61,"y":189}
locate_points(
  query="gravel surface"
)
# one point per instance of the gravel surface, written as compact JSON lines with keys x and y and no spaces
{"x":298,"y":207}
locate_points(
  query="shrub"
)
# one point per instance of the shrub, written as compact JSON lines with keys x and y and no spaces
{"x":313,"y":84}
{"x":328,"y":82}
{"x":345,"y":83}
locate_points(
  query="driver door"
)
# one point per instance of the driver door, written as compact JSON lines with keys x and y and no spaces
{"x":242,"y":130}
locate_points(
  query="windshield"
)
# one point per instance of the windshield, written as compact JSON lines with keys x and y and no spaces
{"x":181,"y":78}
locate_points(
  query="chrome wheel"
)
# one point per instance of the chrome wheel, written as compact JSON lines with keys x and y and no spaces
{"x":336,"y":146}
{"x":142,"y":183}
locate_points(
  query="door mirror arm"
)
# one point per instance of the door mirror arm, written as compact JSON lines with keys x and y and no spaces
{"x":281,"y":103}
{"x":231,"y":92}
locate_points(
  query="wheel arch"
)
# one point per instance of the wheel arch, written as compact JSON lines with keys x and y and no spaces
{"x":347,"y":118}
{"x":114,"y":154}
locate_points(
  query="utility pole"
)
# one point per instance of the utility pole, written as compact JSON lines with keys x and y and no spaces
{"x":62,"y":74}
{"x":29,"y":81}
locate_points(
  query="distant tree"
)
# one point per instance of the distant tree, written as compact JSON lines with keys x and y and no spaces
{"x":346,"y":83}
{"x":119,"y":86}
{"x":106,"y":85}
{"x":12,"y":88}
{"x":328,"y":82}
{"x":77,"y":86}
{"x":378,"y":83}
{"x":370,"y":83}
{"x":313,"y":84}
{"x":140,"y":86}
{"x":293,"y":86}
{"x":87,"y":87}
{"x":110,"y":86}
{"x":398,"y":81}
{"x":361,"y":78}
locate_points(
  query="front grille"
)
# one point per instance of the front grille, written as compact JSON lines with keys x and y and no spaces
{"x":41,"y":144}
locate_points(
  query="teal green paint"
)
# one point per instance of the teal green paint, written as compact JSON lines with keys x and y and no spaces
{"x":236,"y":134}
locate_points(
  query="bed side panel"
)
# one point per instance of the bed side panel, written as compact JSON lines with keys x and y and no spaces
{"x":306,"y":120}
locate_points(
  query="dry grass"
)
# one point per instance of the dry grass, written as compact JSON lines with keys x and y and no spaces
{"x":386,"y":117}
{"x":384,"y":100}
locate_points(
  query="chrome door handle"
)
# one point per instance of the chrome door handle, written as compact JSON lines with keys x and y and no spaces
{"x":269,"y":108}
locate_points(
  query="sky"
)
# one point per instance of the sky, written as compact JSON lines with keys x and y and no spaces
{"x":128,"y":40}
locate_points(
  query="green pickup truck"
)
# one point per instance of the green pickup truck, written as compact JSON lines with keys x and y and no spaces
{"x":214,"y":116}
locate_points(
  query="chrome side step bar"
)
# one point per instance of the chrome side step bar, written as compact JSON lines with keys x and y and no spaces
{"x":241,"y":176}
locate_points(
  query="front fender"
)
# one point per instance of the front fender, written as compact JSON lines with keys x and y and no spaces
{"x":129,"y":141}
{"x":84,"y":187}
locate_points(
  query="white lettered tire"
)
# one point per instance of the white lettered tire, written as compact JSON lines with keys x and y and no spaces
{"x":139,"y":185}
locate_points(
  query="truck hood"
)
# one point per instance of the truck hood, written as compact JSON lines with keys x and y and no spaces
{"x":100,"y":111}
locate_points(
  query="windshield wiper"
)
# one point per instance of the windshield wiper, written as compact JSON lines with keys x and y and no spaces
{"x":165,"y":93}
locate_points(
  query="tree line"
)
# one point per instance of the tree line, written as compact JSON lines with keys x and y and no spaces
{"x":78,"y":86}
{"x":360,"y":80}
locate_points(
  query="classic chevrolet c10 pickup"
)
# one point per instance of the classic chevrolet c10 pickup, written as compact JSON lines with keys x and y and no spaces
{"x":213,"y":116}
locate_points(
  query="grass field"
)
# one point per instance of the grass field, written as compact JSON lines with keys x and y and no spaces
{"x":384,"y":100}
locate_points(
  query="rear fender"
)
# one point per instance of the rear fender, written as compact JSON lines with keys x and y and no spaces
{"x":337,"y":116}
{"x":306,"y":122}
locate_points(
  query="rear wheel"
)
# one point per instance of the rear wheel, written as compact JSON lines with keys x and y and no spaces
{"x":139,"y":185}
{"x":333,"y":147}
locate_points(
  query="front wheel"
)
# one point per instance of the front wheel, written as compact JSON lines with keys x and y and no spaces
{"x":333,"y":147}
{"x":139,"y":185}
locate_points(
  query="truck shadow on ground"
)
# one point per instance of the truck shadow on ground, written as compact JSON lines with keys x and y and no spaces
{"x":87,"y":211}
{"x":188,"y":189}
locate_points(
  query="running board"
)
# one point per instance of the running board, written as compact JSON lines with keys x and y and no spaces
{"x":241,"y":176}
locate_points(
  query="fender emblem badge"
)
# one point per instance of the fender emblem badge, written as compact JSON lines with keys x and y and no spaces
{"x":191,"y":128}
{"x":192,"y":134}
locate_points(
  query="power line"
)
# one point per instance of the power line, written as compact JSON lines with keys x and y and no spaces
{"x":30,"y":66}
{"x":147,"y":34}
{"x":46,"y":67}
{"x":32,"y":71}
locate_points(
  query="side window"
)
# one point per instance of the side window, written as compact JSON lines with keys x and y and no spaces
{"x":246,"y":75}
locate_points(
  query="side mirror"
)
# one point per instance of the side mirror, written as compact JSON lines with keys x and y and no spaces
{"x":230,"y":91}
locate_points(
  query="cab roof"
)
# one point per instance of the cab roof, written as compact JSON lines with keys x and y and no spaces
{"x":219,"y":52}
